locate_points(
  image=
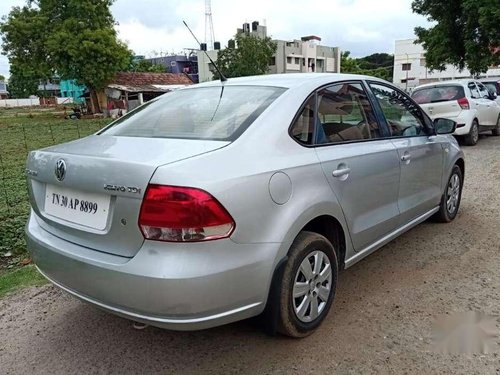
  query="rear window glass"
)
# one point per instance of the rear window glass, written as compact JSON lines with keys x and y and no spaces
{"x":198,"y":113}
{"x":438,"y":94}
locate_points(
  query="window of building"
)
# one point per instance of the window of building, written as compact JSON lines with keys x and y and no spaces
{"x":289,"y":60}
{"x":297,"y":60}
{"x":272,"y":61}
{"x":403,"y":117}
{"x":422,"y":62}
{"x":406,"y":66}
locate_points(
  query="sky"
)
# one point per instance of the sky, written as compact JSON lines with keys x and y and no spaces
{"x":154,"y":27}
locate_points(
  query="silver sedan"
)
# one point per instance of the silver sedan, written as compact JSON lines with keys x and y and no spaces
{"x":227,"y":200}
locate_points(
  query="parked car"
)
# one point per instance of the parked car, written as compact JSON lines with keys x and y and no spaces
{"x":467,"y":102}
{"x":219,"y":202}
{"x":493,"y":85}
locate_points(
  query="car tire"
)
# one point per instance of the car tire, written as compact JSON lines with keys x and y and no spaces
{"x":473,"y":136}
{"x":311,"y":285}
{"x":496,"y":129}
{"x":450,"y":201}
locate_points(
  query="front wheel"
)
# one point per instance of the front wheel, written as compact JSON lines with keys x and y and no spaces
{"x":450,"y":201}
{"x":307,"y":285}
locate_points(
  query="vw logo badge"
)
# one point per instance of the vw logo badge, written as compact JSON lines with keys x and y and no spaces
{"x":60,"y":170}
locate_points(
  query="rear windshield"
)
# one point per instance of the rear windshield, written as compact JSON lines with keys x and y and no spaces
{"x":492,"y":87}
{"x":197,"y":113}
{"x":435,"y":94}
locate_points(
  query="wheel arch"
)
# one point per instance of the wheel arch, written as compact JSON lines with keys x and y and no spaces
{"x":330,"y":228}
{"x":461,"y":164}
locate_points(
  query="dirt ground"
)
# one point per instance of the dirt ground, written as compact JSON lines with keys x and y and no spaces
{"x":381,"y":320}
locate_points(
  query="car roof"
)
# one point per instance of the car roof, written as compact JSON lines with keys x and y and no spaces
{"x":446,"y":83}
{"x":290,"y":80}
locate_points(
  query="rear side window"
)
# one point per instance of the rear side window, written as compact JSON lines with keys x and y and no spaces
{"x":438,"y":94}
{"x":345,"y":114}
{"x":198,"y":113}
{"x":474,"y":92}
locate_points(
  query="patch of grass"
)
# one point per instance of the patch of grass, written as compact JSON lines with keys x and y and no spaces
{"x":11,"y":281}
{"x":20,"y":133}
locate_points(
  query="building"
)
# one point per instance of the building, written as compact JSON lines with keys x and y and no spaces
{"x":305,"y":55}
{"x":50,"y":88}
{"x":410,"y":68}
{"x":296,"y":56}
{"x":4,"y":94}
{"x":128,"y":90}
{"x":178,"y":64}
{"x":69,"y":89}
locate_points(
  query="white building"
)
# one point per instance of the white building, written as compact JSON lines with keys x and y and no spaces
{"x":295,"y":56}
{"x":410,"y":68}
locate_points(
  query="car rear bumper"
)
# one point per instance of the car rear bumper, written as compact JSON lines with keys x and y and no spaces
{"x":175,"y":286}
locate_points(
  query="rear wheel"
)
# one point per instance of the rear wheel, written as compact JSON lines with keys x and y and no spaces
{"x":307,"y":285}
{"x":450,"y":201}
{"x":473,"y":136}
{"x":496,"y":129}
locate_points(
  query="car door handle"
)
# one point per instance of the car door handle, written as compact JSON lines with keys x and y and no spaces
{"x":341,"y":172}
{"x":405,"y":157}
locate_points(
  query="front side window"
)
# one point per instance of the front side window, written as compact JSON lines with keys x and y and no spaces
{"x":492,"y":87}
{"x":404,"y":118}
{"x":345,"y":115}
{"x":197,"y":113}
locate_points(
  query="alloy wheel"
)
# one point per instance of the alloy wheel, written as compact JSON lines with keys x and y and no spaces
{"x":453,"y":193}
{"x":312,"y":286}
{"x":475,"y":133}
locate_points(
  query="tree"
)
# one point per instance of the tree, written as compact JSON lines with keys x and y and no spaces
{"x":466,"y":33}
{"x":2,"y":77}
{"x":74,"y":38}
{"x":375,"y":65}
{"x":23,"y":82}
{"x":249,"y":56}
{"x":146,"y":66}
{"x":25,"y":49}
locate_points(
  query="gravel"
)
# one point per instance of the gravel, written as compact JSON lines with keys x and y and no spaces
{"x":381,"y":320}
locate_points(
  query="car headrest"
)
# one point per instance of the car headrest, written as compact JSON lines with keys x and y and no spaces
{"x":336,"y":104}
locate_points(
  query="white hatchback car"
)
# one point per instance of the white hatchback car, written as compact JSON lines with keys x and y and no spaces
{"x":467,"y":102}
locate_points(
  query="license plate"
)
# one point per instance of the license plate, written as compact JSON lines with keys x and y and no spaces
{"x":88,"y":209}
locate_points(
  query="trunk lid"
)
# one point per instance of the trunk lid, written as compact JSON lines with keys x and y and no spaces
{"x":97,"y":201}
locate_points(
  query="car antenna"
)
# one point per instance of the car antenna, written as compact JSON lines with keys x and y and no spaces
{"x":222,"y":77}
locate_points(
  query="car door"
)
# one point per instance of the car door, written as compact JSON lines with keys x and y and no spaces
{"x":490,"y":112}
{"x":478,"y":103}
{"x":419,"y":150}
{"x":361,"y":166}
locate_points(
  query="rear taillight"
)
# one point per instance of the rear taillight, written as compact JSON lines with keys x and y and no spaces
{"x":463,"y":103}
{"x":183,"y":214}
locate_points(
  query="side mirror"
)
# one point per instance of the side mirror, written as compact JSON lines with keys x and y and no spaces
{"x":492,"y":95}
{"x":444,"y":126}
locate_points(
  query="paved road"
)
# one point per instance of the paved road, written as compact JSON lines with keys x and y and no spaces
{"x":381,"y":321}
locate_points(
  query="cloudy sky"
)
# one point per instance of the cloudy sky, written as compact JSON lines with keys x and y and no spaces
{"x":360,"y":26}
